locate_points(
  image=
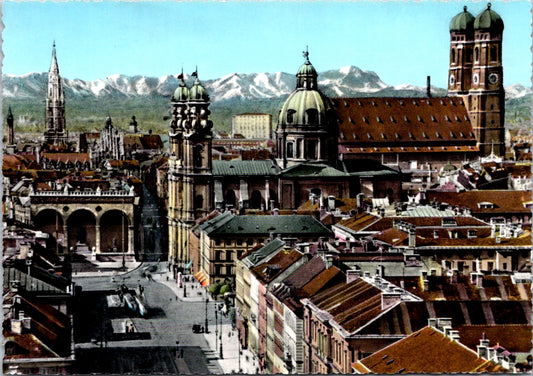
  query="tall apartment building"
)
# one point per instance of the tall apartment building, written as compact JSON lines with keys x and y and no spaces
{"x":252,"y":125}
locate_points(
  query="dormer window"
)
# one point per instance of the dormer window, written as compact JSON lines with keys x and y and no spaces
{"x":448,"y":222}
{"x":290,"y":115}
{"x":406,"y":119}
{"x":433,"y":118}
{"x":472,"y":234}
{"x":485,"y":205}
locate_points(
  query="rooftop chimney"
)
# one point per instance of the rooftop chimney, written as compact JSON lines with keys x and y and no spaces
{"x":352,"y":275}
{"x":429,"y":86}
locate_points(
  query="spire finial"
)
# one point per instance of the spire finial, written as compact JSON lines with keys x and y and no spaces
{"x":465,"y":8}
{"x":9,"y":113}
{"x":488,"y":6}
{"x":195,"y":74}
{"x":306,"y":54}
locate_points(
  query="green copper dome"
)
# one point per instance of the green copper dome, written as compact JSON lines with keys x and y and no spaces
{"x":198,"y":92}
{"x":182,"y":92}
{"x":464,"y":21}
{"x":305,"y":107}
{"x":489,"y":20}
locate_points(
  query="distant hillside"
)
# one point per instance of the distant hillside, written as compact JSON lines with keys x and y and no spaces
{"x":89,"y":102}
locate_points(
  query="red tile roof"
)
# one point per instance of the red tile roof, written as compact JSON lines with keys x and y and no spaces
{"x":426,"y":351}
{"x":505,"y":201}
{"x":408,"y":122}
{"x":515,"y":338}
{"x":352,"y":305}
{"x":266,"y":272}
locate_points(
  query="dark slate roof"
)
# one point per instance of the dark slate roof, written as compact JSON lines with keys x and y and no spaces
{"x":305,"y":273}
{"x":257,"y":256}
{"x":29,"y":283}
{"x":240,"y":225}
{"x":364,"y":167}
{"x":312,"y":170}
{"x":245,"y":168}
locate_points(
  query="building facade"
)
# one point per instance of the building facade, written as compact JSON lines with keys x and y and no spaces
{"x":252,"y":125}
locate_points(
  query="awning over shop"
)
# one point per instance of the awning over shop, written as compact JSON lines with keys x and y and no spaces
{"x":202,"y":279}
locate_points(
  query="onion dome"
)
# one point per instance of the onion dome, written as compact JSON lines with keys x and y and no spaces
{"x":198,"y":92}
{"x":489,"y":20}
{"x":463,"y":22}
{"x":182,"y":92}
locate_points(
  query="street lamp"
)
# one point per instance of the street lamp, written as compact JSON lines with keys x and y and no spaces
{"x":220,"y":338}
{"x":206,"y":302}
{"x":240,"y":351}
{"x":216,"y":329}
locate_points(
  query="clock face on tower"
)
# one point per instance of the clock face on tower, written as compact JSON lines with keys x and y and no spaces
{"x":493,"y":78}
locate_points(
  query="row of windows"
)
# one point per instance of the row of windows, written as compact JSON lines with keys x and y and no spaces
{"x":493,"y":55}
{"x":227,"y":255}
{"x":238,"y":242}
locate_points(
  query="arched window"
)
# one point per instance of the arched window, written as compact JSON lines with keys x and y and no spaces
{"x":199,"y":202}
{"x":256,"y":200}
{"x":312,"y":115}
{"x":290,"y":149}
{"x":231,"y":199}
{"x":476,"y":54}
{"x":197,"y":155}
{"x":311,"y":149}
{"x":453,"y":56}
{"x":493,"y":53}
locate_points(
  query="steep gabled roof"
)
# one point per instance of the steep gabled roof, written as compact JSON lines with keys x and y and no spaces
{"x":408,"y":122}
{"x":426,"y":351}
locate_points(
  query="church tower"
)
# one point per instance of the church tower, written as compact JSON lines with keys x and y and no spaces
{"x":10,"y":144}
{"x":476,"y":73}
{"x":306,"y":126}
{"x":55,"y":133}
{"x":190,"y":166}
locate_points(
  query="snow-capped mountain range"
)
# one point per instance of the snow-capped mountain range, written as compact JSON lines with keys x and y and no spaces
{"x":345,"y":82}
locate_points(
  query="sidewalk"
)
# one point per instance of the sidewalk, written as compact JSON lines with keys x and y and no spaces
{"x":230,"y":343}
{"x":230,"y":351}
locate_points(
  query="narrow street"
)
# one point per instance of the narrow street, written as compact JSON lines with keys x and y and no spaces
{"x":169,"y":320}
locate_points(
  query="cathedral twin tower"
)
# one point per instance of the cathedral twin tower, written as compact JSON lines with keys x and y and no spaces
{"x":476,"y":74}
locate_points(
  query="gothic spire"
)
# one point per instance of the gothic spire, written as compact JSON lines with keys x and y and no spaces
{"x":54,"y":67}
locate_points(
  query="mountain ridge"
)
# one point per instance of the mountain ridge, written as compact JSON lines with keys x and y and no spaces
{"x":346,"y":81}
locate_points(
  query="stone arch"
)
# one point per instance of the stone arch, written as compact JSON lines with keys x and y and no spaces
{"x":231,"y":198}
{"x":256,"y":200}
{"x":81,"y":225}
{"x":50,"y":221}
{"x":114,"y":233}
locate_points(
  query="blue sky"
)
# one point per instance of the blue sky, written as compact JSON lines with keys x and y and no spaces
{"x":402,"y":41}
